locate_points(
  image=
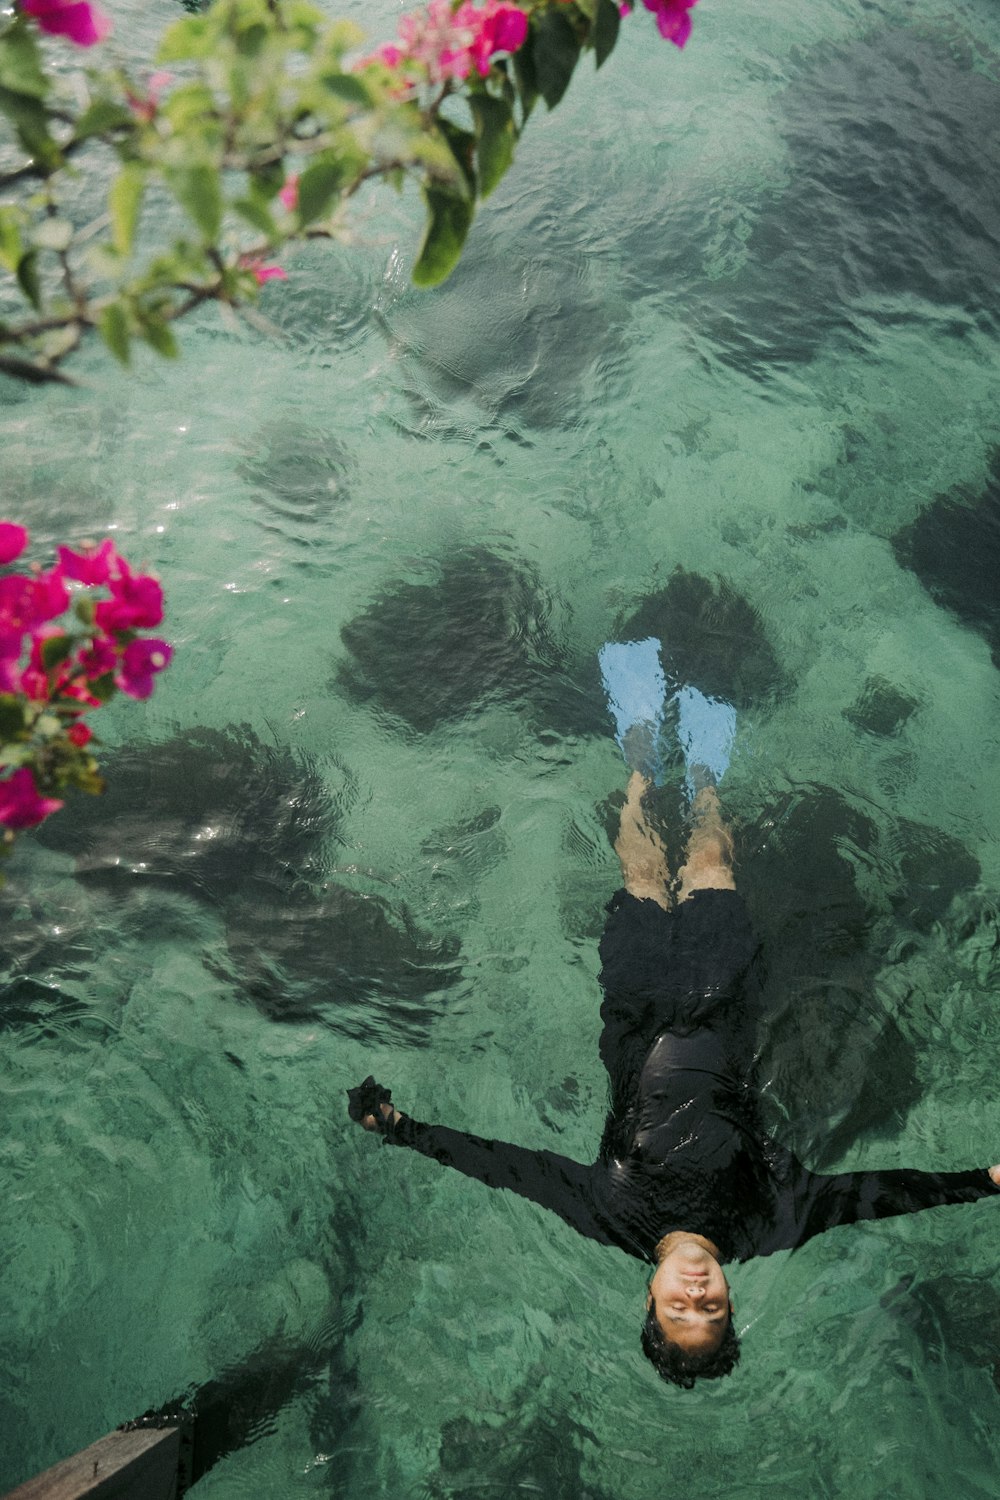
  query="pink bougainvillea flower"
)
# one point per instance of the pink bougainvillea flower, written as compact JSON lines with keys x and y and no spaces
{"x":21,"y":804}
{"x":10,"y":655}
{"x":79,"y":733}
{"x":447,"y":43}
{"x":501,"y":28}
{"x":141,"y":660}
{"x":77,"y":20}
{"x":289,"y":195}
{"x":136,"y":603}
{"x":144,"y":106}
{"x":13,"y":540}
{"x":26,"y":603}
{"x":99,"y":659}
{"x":673,"y":18}
{"x":93,"y":566}
{"x":260,"y":272}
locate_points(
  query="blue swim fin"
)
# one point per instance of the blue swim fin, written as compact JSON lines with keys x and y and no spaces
{"x":706,"y":728}
{"x":637,"y":697}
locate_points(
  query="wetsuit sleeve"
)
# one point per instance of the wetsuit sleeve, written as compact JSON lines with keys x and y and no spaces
{"x":556,"y":1182}
{"x":821,"y":1202}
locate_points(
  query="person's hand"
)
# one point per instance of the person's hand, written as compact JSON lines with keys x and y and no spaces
{"x":995,"y":1175}
{"x":369,"y":1122}
{"x":370,"y":1106}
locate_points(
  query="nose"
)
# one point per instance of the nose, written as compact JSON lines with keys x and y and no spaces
{"x":695,"y":1291}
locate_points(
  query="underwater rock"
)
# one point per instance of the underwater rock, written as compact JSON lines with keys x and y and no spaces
{"x":933,"y":867}
{"x":219,"y":817}
{"x":827,"y":888}
{"x":712,"y":638}
{"x":816,"y":928}
{"x":964,"y":1309}
{"x":341,"y":959}
{"x":203,"y":813}
{"x":953,"y":546}
{"x":520,"y":335}
{"x":511,"y":1453}
{"x":432,"y":652}
{"x":881,"y":708}
{"x":298,"y":469}
{"x":889,"y":203}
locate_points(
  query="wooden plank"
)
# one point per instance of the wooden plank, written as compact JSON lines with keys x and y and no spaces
{"x":137,"y":1465}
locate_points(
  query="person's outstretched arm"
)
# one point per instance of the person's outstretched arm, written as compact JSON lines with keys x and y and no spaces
{"x":815,"y":1202}
{"x":556,"y":1182}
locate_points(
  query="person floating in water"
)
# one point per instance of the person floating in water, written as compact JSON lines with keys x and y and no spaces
{"x":686,"y":1178}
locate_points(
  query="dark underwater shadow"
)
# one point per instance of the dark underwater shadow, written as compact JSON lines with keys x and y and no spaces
{"x":953,"y":546}
{"x":830,"y":890}
{"x":517,"y":331}
{"x":476,"y":632}
{"x":893,"y":158}
{"x":243,"y":829}
{"x":711,"y":638}
{"x":299,"y":470}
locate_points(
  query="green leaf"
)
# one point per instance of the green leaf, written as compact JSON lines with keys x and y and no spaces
{"x":55,"y":650}
{"x":320,"y":183}
{"x":31,"y":121}
{"x":187,"y":41}
{"x":27,"y":278}
{"x":113,"y":327}
{"x":124,"y":202}
{"x":11,"y":245}
{"x":495,"y":139}
{"x":84,"y":609}
{"x":462,"y":145}
{"x":53,"y":234}
{"x":198,"y":189}
{"x":21,"y":63}
{"x":348,"y":88}
{"x":101,"y":116}
{"x":449,"y":218}
{"x":258,"y":214}
{"x":103,"y":688}
{"x":526,"y":76}
{"x":158,"y":335}
{"x":555,"y":50}
{"x":605,"y":32}
{"x":13,"y":723}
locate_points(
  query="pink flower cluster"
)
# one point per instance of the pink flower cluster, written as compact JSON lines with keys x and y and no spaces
{"x":673,"y":18}
{"x":447,"y":41}
{"x":60,"y":670}
{"x":77,"y":20}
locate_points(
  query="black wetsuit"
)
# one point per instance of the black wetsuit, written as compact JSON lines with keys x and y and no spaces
{"x":683,"y":1147}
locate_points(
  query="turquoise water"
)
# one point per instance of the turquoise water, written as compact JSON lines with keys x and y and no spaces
{"x":733,"y":313}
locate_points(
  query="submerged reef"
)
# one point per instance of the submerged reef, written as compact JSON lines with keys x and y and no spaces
{"x":712,"y":639}
{"x":953,"y":546}
{"x":473,"y":632}
{"x":520,"y":335}
{"x":298,"y":469}
{"x":827,"y":885}
{"x":242,"y":828}
{"x":888,"y":202}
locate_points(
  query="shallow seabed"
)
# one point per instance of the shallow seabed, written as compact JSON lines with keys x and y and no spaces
{"x":733,"y":313}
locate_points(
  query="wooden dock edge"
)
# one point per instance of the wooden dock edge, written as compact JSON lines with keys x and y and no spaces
{"x":134,"y":1463}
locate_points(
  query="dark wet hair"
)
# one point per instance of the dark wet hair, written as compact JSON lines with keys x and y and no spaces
{"x":673,"y":1364}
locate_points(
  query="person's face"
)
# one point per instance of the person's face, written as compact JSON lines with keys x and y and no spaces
{"x":691,"y":1296}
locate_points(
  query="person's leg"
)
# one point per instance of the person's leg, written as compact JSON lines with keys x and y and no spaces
{"x":642,"y":852}
{"x":708,"y":865}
